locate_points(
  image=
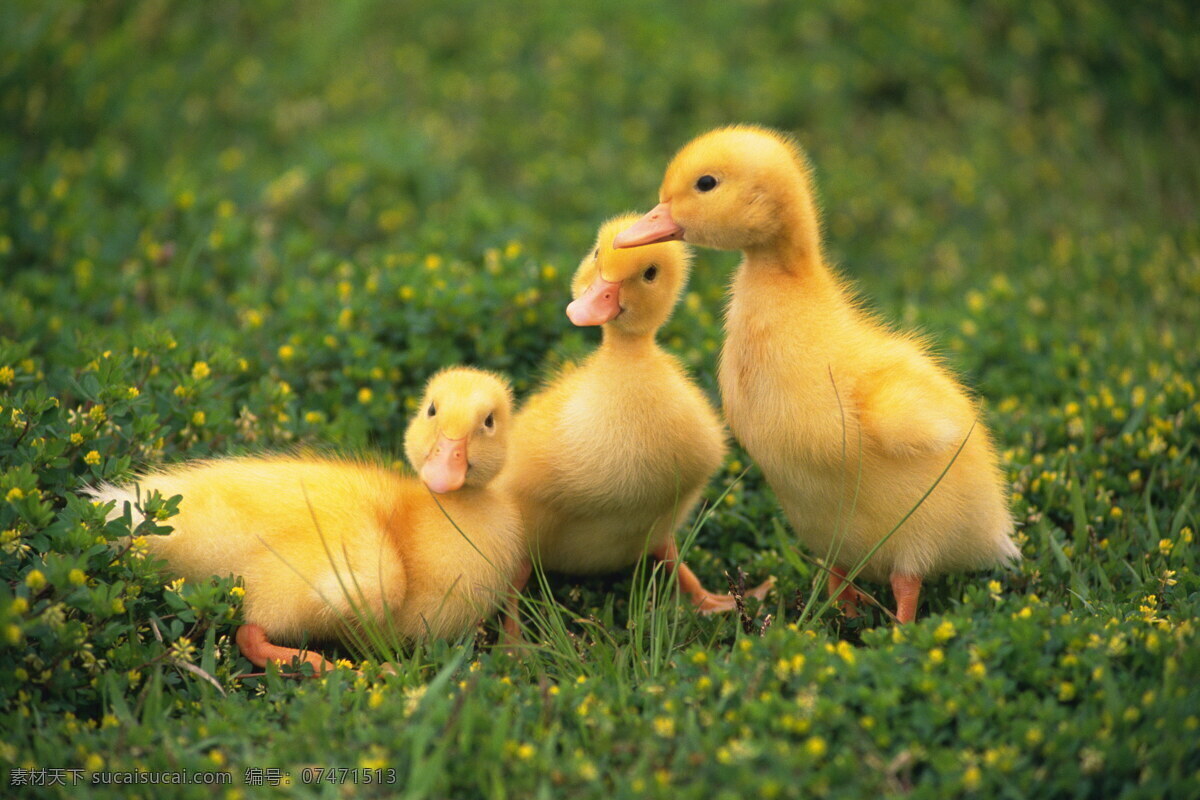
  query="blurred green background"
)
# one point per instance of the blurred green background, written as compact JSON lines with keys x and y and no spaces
{"x":234,"y":226}
{"x":276,"y":174}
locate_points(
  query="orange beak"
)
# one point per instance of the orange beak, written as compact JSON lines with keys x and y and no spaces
{"x":657,"y":226}
{"x":446,"y":468}
{"x":600,"y":303}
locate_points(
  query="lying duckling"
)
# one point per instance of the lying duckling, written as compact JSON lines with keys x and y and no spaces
{"x":612,"y":456}
{"x":808,"y":378}
{"x":318,"y":541}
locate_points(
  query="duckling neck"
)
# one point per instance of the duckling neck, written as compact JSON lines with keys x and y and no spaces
{"x":791,"y":271}
{"x":465,"y":496}
{"x":459,"y":504}
{"x":487,"y":521}
{"x":786,"y":267}
{"x":796,"y":249}
{"x":620,"y":343}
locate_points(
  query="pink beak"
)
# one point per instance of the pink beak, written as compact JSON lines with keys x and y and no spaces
{"x":657,"y":226}
{"x":600,"y":303}
{"x":446,"y":468}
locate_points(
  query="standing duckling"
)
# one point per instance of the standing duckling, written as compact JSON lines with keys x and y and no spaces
{"x":612,"y":456}
{"x":319,"y":541}
{"x":850,"y":421}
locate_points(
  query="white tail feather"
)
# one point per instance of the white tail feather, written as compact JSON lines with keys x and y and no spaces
{"x":106,"y":492}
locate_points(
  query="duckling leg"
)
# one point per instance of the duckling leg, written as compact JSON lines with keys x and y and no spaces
{"x":512,"y":614}
{"x":705,"y":601}
{"x":252,"y":640}
{"x":907,"y":589}
{"x":846,"y":594}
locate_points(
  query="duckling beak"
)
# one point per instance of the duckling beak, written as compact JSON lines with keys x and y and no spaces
{"x":596,"y":306}
{"x":446,"y":468}
{"x":657,"y":226}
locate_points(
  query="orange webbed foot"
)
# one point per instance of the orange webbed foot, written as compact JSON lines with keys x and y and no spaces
{"x":254,"y":644}
{"x":706,"y":602}
{"x":709,"y":603}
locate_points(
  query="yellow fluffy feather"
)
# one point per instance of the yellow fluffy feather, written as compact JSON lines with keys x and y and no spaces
{"x":850,"y":421}
{"x":613,"y":455}
{"x":315,"y":538}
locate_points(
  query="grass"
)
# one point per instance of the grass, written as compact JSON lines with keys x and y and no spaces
{"x":229,"y":228}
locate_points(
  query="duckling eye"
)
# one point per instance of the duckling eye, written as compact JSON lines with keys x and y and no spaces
{"x":650,"y":274}
{"x":706,"y":183}
{"x":432,"y":410}
{"x":490,"y":422}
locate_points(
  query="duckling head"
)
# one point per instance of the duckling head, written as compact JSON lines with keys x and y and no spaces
{"x":459,"y":436}
{"x":631,"y":291}
{"x":735,"y":188}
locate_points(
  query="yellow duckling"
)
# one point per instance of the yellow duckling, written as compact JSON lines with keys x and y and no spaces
{"x":612,"y":456}
{"x":319,"y":540}
{"x":850,"y":421}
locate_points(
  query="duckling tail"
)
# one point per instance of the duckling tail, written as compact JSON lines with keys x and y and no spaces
{"x":106,"y":492}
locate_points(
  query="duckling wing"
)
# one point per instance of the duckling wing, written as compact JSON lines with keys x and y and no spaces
{"x":909,"y":406}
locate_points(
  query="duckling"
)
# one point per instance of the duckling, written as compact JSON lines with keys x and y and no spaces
{"x":319,"y":541}
{"x":612,"y":456}
{"x":850,"y":421}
